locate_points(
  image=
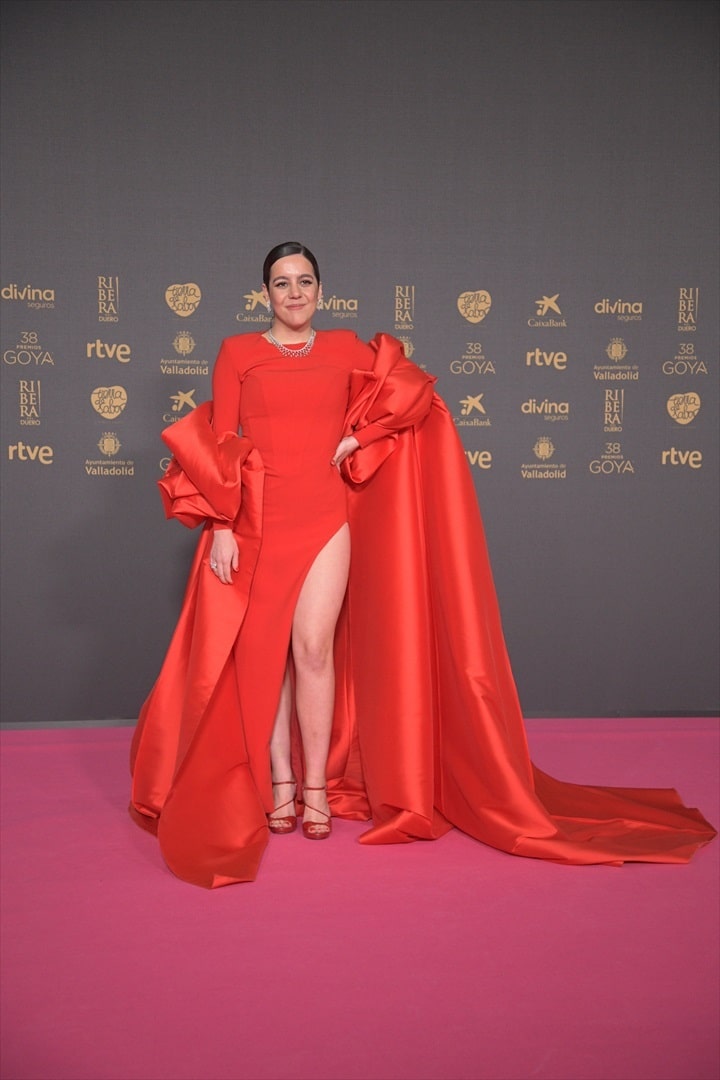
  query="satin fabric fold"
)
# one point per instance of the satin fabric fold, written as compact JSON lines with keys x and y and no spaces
{"x":441,"y":730}
{"x":428,"y":732}
{"x":191,"y":781}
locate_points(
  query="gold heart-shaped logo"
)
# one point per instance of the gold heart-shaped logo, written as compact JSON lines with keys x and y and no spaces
{"x":474,"y":306}
{"x":684,"y":407}
{"x":183,"y":299}
{"x":109,"y":401}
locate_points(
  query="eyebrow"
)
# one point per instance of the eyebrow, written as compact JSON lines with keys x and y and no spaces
{"x":284,"y":277}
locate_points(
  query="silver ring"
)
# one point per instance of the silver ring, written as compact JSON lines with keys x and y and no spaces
{"x":213,"y":566}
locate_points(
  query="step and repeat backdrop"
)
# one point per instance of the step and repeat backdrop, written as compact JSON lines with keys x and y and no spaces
{"x":523,"y":193}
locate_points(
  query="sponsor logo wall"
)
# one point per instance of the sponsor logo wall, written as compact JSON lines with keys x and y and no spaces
{"x":565,"y":302}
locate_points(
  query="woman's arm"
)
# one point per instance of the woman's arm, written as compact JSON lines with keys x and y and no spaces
{"x":226,"y":390}
{"x":402,"y":396}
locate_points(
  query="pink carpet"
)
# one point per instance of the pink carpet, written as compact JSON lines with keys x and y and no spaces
{"x":430,"y":961}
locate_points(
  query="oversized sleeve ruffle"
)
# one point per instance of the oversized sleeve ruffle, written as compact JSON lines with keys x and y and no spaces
{"x":391,"y":396}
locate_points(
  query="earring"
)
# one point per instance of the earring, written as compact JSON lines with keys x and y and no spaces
{"x":269,"y":310}
{"x":319,"y":303}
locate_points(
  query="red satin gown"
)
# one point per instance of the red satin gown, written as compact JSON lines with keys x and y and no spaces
{"x":292,"y":410}
{"x":428,"y":733}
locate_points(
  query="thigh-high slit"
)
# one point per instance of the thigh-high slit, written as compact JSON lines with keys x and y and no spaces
{"x":261,"y":650}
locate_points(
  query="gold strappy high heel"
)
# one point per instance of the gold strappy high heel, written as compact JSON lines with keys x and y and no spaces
{"x":287,"y":824}
{"x":316,"y":830}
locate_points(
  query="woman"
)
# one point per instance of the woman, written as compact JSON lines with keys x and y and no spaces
{"x":383,"y":681}
{"x":305,"y":501}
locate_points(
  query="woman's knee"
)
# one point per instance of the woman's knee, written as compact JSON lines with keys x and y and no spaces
{"x":313,"y":654}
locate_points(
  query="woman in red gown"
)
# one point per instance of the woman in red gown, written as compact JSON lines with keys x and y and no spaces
{"x":288,"y":391}
{"x":379,"y":683}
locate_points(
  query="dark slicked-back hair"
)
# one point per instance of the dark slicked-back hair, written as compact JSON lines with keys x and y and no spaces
{"x":281,"y":251}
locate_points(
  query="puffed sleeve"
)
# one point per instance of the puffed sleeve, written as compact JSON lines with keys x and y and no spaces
{"x":388,"y":393}
{"x":386,"y":398}
{"x":206,"y":474}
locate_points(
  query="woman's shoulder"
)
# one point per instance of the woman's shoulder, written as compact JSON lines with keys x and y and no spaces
{"x":344,"y":342}
{"x":364,"y":354}
{"x":240,"y":343}
{"x":237,"y":351}
{"x":346,"y":348}
{"x":338,"y":337}
{"x":349,"y":337}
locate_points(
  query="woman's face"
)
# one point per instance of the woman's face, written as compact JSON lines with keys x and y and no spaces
{"x":293,"y":291}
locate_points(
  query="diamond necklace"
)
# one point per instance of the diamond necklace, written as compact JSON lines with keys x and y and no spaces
{"x":292,"y":352}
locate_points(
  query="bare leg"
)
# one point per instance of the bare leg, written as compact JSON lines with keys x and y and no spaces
{"x":280,"y":755}
{"x":313,"y":634}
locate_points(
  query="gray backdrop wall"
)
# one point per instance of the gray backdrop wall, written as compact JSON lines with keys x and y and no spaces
{"x":525,"y":192}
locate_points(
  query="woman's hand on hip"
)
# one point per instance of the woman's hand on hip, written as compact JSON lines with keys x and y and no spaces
{"x":346,"y":446}
{"x":224,"y":555}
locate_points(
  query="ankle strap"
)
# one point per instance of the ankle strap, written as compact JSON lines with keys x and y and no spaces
{"x":306,"y":787}
{"x":278,"y":783}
